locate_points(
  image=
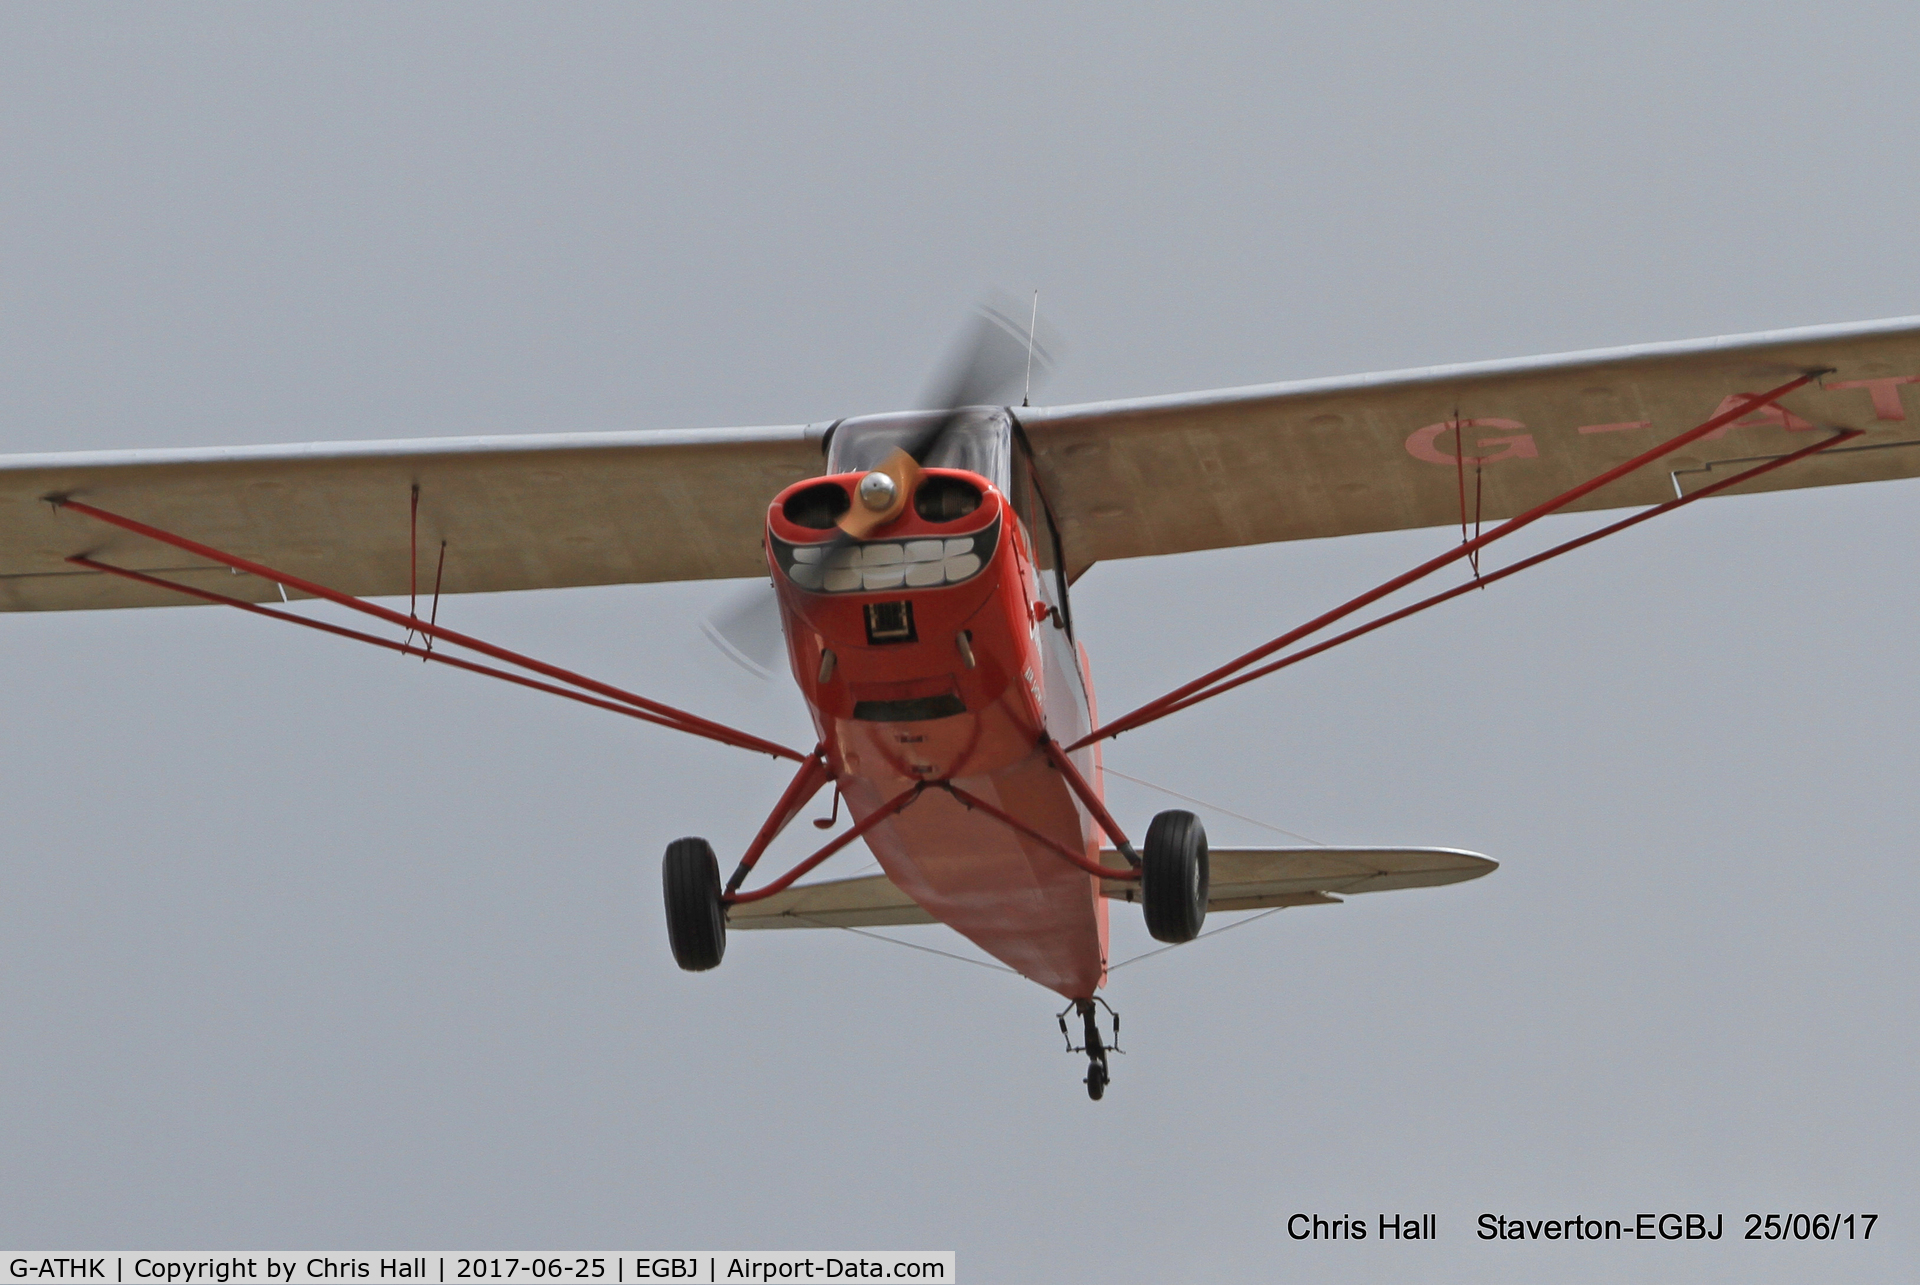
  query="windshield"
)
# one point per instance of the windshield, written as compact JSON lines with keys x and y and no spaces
{"x":980,"y":441}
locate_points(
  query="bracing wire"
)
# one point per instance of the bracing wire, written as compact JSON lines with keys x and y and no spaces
{"x":1214,"y":807}
{"x":1202,"y":937}
{"x":895,"y":941}
{"x":1033,"y":320}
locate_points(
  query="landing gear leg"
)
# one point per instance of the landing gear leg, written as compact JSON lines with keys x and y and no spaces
{"x":1091,"y":1044}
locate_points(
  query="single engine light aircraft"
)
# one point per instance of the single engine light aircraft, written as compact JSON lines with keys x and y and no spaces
{"x":922,"y":565}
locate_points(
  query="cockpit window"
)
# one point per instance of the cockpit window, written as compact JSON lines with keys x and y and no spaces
{"x":979,"y":442}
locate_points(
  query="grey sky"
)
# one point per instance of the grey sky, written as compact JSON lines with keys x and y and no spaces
{"x":304,"y":946}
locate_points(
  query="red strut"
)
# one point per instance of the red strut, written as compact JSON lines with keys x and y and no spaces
{"x":805,"y":784}
{"x":1163,"y":705}
{"x":1014,"y":823}
{"x":1534,"y":561}
{"x":874,"y":818}
{"x":405,"y":649}
{"x":678,"y":718}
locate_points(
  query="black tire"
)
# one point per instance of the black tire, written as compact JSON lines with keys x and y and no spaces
{"x":1097,"y":1076}
{"x":696,"y":918}
{"x":1173,"y":877}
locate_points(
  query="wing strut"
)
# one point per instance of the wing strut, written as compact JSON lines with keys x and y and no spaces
{"x":1480,"y":582}
{"x":616,"y":698}
{"x":1224,"y":678}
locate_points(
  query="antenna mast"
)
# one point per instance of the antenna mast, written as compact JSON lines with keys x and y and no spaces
{"x":1032,"y":320}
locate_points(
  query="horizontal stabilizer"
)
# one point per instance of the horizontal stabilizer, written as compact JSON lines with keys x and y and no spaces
{"x":871,"y":901}
{"x":1260,"y":878}
{"x":1242,"y":879}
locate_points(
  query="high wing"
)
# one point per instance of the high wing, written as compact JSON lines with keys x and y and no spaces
{"x":534,"y":512}
{"x":1153,"y":475}
{"x":1325,"y":457}
{"x":1242,"y":879}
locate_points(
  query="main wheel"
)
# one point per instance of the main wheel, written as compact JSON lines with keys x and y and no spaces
{"x":1173,"y":876}
{"x":696,"y":918}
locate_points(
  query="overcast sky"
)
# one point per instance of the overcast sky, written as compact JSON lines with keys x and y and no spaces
{"x":304,"y":946}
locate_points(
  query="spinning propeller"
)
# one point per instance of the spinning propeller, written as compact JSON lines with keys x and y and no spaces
{"x":991,"y":358}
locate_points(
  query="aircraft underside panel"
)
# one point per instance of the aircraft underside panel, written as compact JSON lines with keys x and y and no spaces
{"x":1016,"y":899}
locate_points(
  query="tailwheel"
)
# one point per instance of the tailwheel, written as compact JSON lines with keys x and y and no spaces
{"x":1173,"y":876}
{"x":1096,"y":1049}
{"x":1097,"y":1074}
{"x":696,"y":917}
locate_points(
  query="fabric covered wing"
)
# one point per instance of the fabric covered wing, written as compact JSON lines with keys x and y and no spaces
{"x":515,"y":512}
{"x":1257,"y":878}
{"x":1156,"y":475}
{"x":1377,"y":452}
{"x":871,"y":901}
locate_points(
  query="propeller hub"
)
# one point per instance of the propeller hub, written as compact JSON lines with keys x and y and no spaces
{"x":877,"y":491}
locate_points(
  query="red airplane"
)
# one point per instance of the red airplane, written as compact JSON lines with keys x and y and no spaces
{"x":923,"y":584}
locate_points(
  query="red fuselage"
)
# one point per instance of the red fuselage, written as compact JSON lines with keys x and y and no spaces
{"x":936,"y":651}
